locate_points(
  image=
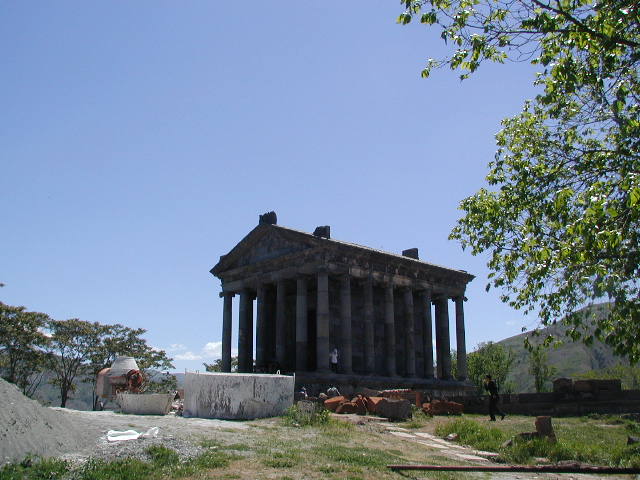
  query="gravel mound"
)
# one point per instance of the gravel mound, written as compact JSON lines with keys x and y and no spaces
{"x":28,"y":428}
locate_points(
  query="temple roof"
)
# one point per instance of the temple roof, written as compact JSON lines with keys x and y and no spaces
{"x":291,"y":240}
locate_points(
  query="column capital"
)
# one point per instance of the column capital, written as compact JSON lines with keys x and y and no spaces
{"x":227,"y":294}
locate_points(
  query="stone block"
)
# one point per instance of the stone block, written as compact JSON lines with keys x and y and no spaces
{"x":536,"y":397}
{"x":562,"y":385}
{"x":237,"y":396}
{"x":612,"y":385}
{"x":333,"y":403}
{"x":372,"y":403}
{"x":145,"y":403}
{"x":544,"y":428}
{"x":347,"y":407}
{"x":309,"y":407}
{"x":583,"y":386}
{"x":361,"y":404}
{"x":368,"y":392}
{"x":441,"y":407}
{"x":394,"y":409}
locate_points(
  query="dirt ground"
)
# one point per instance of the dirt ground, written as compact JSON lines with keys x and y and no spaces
{"x":268,"y":449}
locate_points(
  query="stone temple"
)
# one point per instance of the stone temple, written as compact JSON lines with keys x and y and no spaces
{"x":314,"y":294}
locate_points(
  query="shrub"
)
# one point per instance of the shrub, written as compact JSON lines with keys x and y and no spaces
{"x":297,"y":417}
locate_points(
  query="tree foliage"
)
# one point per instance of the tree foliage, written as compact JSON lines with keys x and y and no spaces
{"x":490,"y":359}
{"x":540,"y":369}
{"x":561,"y":219}
{"x":71,"y":346}
{"x":21,"y":343}
{"x":216,"y":366}
{"x":118,"y":340}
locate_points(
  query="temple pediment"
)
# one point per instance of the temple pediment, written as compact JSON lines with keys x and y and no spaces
{"x":262,"y":244}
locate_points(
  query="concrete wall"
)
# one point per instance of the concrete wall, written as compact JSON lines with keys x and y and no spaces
{"x":236,"y":396}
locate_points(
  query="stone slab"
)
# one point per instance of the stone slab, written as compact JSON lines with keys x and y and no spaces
{"x":145,"y":403}
{"x":485,"y":454}
{"x":466,"y":456}
{"x":402,"y":434}
{"x":236,"y":396}
{"x":425,"y":435}
{"x":433,"y":445}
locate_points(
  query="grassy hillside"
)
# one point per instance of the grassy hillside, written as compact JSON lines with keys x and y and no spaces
{"x":570,"y":358}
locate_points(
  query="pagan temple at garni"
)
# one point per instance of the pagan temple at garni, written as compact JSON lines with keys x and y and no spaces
{"x":380,"y":311}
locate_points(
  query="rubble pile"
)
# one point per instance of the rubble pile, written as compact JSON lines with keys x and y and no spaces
{"x":391,"y":404}
{"x":391,"y":408}
{"x":28,"y":428}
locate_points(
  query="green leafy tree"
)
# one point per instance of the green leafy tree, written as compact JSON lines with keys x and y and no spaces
{"x":216,"y":366}
{"x":71,"y":346}
{"x":21,"y":344}
{"x":490,"y":359}
{"x":540,"y":369}
{"x":118,"y":340}
{"x":561,"y":219}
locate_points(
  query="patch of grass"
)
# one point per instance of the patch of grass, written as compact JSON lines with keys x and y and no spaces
{"x":213,"y":459}
{"x":474,"y":434}
{"x":210,"y":443}
{"x":337,"y":430}
{"x":594,"y":439}
{"x":356,"y":456}
{"x":297,"y":417}
{"x":126,"y":469}
{"x":34,"y":468}
{"x":162,"y":456}
{"x":239,"y":447}
{"x":282,"y":459}
{"x":328,"y":469}
{"x":418,"y":419}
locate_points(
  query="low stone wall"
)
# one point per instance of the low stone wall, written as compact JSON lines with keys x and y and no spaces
{"x":557,"y":404}
{"x":350,"y":385}
{"x":236,"y":396}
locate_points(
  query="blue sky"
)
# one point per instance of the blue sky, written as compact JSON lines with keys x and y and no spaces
{"x":139,"y":141}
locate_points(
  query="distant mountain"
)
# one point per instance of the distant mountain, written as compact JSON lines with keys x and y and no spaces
{"x":570,"y":358}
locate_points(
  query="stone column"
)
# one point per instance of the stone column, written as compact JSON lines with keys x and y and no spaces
{"x":409,"y":334}
{"x":442,"y":334}
{"x":427,"y":336}
{"x":281,"y":327}
{"x":226,"y":331}
{"x":389,"y":331}
{"x":301,"y":324}
{"x":460,"y":340}
{"x":245,"y":332}
{"x":369,"y":352}
{"x":345,"y":320}
{"x":322,"y":323}
{"x":261,"y":329}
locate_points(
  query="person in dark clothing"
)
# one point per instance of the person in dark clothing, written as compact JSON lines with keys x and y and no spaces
{"x":494,"y":398}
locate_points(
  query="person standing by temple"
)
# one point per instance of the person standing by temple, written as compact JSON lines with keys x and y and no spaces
{"x":491,"y":387}
{"x":333,"y":359}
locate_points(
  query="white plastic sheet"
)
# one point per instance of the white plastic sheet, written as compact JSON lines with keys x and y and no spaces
{"x":122,"y":435}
